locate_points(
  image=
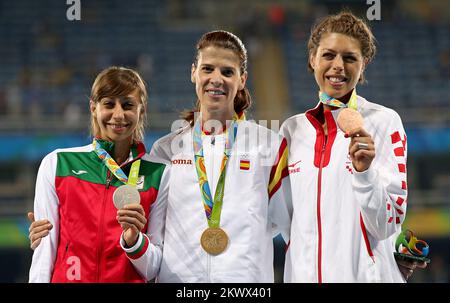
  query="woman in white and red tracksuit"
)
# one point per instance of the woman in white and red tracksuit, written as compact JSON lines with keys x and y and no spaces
{"x":74,"y":190}
{"x":349,"y":201}
{"x":254,"y":206}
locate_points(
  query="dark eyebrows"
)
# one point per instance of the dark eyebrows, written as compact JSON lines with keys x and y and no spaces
{"x":122,"y":99}
{"x":345,"y":53}
{"x":129,"y":98}
{"x":229,"y":68}
{"x":222,"y":68}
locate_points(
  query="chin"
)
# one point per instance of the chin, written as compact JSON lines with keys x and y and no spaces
{"x":214,"y":109}
{"x":337,"y":93}
{"x":119,"y":137}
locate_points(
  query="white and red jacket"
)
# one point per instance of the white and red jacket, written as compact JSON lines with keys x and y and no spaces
{"x":344,"y":222}
{"x":254,"y":208}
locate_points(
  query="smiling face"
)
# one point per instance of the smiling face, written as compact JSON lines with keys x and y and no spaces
{"x":116,"y":118}
{"x":217,"y":80}
{"x":122,"y":86}
{"x":337,"y":64}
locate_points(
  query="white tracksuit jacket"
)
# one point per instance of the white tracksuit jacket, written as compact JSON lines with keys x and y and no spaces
{"x":254,"y":208}
{"x":345,"y":222}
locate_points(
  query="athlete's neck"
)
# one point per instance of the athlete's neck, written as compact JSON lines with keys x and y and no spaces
{"x":121,"y":150}
{"x":346,"y":98}
{"x":215,"y":123}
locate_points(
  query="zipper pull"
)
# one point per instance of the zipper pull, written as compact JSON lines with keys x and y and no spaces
{"x":108,"y":179}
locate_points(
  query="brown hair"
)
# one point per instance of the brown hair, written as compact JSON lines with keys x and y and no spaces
{"x":348,"y":24}
{"x":227,"y":40}
{"x":119,"y":82}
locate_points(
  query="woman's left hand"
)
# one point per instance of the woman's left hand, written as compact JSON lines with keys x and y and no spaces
{"x":361,"y":149}
{"x":132,"y":219}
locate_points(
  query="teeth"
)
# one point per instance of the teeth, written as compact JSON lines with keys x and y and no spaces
{"x":216,"y":92}
{"x":336,"y":79}
{"x":117,"y":126}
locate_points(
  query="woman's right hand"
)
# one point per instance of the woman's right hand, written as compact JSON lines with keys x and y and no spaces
{"x":37,"y":230}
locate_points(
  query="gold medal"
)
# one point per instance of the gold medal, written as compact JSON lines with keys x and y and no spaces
{"x":214,"y":240}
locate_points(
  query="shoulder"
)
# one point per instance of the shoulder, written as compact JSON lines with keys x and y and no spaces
{"x":251,"y":129}
{"x":79,"y":149}
{"x":262,"y":138}
{"x":155,"y":160}
{"x":253,"y":126}
{"x":49,"y":162}
{"x":162,"y":148}
{"x":167,"y":139}
{"x":377,"y":112}
{"x":293,"y":120}
{"x":291,"y":124}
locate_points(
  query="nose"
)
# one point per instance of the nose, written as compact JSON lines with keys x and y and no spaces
{"x":118,"y":113}
{"x":216,"y":78}
{"x":338,"y":63}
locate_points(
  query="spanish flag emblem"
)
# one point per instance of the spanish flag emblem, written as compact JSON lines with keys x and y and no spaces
{"x":244,"y":164}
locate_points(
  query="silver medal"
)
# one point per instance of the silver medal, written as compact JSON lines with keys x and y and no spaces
{"x":126,"y":194}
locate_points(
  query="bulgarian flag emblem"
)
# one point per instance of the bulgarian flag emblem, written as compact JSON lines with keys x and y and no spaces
{"x":244,"y":164}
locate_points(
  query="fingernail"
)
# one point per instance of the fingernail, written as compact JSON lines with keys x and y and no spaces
{"x":346,"y":135}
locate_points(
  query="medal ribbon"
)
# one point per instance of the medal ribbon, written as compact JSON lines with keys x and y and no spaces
{"x":327,"y":100}
{"x":212,"y":207}
{"x":112,"y":165}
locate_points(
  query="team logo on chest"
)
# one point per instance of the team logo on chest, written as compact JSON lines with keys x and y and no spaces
{"x":140,"y":182}
{"x":182,"y":162}
{"x":294,"y":167}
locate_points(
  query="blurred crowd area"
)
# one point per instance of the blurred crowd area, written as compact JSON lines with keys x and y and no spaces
{"x":48,"y":64}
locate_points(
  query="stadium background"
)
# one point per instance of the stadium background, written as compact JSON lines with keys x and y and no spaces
{"x":48,"y":64}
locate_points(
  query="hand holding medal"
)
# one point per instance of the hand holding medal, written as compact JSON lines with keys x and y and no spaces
{"x":130,"y":214}
{"x":126,"y":198}
{"x":362,"y":148}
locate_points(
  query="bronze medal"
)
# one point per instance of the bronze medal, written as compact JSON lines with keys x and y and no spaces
{"x":214,"y":240}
